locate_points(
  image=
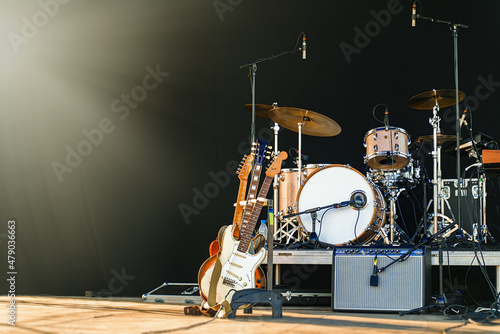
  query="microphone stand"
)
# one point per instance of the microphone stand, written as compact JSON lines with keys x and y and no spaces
{"x":441,"y":302}
{"x":314,"y":215}
{"x":252,"y":71}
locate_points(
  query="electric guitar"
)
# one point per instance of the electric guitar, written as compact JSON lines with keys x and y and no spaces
{"x":243,"y":171}
{"x":234,"y":267}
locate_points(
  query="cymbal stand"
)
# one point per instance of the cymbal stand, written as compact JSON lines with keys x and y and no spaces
{"x":271,"y":233}
{"x":436,"y":159}
{"x":276,"y":129}
{"x":299,"y":156}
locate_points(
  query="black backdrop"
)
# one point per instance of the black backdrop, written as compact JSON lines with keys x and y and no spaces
{"x":103,"y":162}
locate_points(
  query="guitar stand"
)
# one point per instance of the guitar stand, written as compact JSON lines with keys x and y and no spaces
{"x":257,"y":296}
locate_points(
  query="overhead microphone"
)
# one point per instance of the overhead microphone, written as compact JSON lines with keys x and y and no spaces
{"x":462,"y":119}
{"x":414,"y":14}
{"x":386,"y":119}
{"x":304,"y":47}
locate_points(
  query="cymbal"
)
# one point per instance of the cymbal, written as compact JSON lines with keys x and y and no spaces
{"x":441,"y":138}
{"x":261,"y":110}
{"x":426,"y":101}
{"x":314,"y":124}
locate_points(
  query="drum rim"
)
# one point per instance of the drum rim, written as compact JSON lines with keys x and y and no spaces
{"x":373,"y":187}
{"x":388,"y":129}
{"x":384,"y":154}
{"x":287,"y":170}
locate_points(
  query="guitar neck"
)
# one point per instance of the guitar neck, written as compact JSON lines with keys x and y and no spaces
{"x":250,"y":219}
{"x":238,"y":211}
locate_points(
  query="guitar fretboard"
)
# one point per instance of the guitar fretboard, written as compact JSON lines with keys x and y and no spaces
{"x":250,"y":219}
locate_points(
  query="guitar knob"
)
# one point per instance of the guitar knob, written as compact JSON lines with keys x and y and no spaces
{"x":245,"y":284}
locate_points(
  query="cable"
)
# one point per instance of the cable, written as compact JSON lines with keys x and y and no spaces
{"x":356,"y":226}
{"x":373,"y":112}
{"x":402,"y":218}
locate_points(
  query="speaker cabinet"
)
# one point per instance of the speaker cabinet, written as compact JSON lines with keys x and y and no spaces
{"x":403,"y":285}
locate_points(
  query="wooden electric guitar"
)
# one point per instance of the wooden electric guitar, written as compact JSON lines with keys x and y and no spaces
{"x":235,"y":265}
{"x":243,"y":171}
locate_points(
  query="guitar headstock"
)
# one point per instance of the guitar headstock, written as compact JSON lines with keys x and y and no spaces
{"x":245,"y":167}
{"x":275,"y":167}
{"x":261,"y":152}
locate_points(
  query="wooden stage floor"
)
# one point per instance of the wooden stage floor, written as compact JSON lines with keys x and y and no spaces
{"x":132,"y":315}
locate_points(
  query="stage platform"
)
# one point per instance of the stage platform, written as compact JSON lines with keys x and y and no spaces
{"x":131,"y":315}
{"x":451,"y":258}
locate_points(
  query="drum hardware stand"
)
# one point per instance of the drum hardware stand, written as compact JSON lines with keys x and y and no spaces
{"x":392,"y":211}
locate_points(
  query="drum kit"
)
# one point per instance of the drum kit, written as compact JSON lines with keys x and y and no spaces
{"x":335,"y":204}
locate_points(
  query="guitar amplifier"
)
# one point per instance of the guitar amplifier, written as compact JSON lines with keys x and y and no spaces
{"x":402,"y":286}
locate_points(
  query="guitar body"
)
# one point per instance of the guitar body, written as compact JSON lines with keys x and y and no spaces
{"x":237,"y":270}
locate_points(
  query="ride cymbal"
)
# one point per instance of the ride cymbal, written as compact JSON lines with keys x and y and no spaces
{"x":426,"y":101}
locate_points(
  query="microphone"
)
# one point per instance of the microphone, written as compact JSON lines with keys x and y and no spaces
{"x":304,"y":47}
{"x":414,"y":14}
{"x":386,"y":119}
{"x":374,"y":276}
{"x":470,"y":118}
{"x":462,"y":119}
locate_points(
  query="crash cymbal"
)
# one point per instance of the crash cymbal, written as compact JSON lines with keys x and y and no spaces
{"x":441,"y":138}
{"x":426,"y":101}
{"x":314,"y":124}
{"x":261,"y":110}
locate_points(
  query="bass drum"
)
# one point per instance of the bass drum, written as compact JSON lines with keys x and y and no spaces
{"x":344,"y":225}
{"x":288,"y":186}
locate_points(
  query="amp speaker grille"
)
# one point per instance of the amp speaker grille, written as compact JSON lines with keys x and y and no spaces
{"x":402,"y":286}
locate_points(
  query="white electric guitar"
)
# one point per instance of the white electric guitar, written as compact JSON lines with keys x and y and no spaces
{"x":234,"y":267}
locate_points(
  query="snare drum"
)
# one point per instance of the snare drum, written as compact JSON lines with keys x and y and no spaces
{"x":387,"y":149}
{"x":345,"y":225}
{"x":288,"y":186}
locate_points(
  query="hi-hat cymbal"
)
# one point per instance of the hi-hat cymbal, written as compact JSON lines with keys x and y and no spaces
{"x":441,"y":138}
{"x":313,"y":123}
{"x":261,"y":110}
{"x":426,"y":101}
